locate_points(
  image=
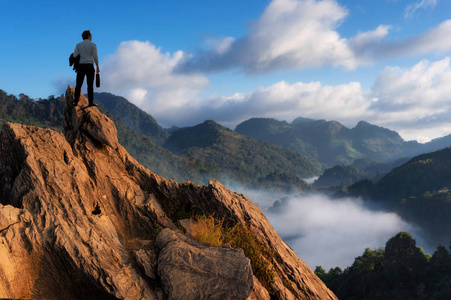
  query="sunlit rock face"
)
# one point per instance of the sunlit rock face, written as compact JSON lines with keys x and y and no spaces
{"x":79,"y":218}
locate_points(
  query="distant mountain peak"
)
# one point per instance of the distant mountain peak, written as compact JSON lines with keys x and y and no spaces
{"x":302,"y":120}
{"x":366,"y":129}
{"x":211,"y":124}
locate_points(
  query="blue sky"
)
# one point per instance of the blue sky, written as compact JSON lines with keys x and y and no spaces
{"x":383,"y":61}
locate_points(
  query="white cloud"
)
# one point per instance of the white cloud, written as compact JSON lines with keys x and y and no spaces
{"x":138,"y":95}
{"x":282,"y":101}
{"x":300,"y":34}
{"x":435,"y":40}
{"x":367,"y":45}
{"x":290,"y":35}
{"x":288,"y":101}
{"x":294,"y":34}
{"x":220,"y":45}
{"x":142,"y":72}
{"x":323,"y":231}
{"x":423,"y":4}
{"x":414,"y":100}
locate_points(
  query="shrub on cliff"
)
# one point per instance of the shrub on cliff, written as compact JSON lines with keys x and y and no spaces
{"x":209,"y":230}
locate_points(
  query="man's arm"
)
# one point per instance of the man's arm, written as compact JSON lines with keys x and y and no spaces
{"x":97,"y":64}
{"x":96,"y":58}
{"x":76,"y":53}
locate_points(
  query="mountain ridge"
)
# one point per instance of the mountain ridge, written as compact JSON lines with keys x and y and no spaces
{"x":331,"y":143}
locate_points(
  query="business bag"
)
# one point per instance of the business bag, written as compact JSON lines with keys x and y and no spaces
{"x":97,"y":79}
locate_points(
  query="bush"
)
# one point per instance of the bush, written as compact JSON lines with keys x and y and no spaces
{"x":209,"y":230}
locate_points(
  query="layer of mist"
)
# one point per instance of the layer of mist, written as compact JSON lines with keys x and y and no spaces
{"x":326,"y":231}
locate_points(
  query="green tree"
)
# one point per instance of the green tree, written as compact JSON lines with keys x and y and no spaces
{"x":320,"y":272}
{"x":405,"y":264}
{"x":439,"y":274}
{"x":402,"y":249}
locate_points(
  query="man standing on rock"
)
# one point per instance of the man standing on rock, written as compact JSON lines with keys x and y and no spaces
{"x":88,"y":56}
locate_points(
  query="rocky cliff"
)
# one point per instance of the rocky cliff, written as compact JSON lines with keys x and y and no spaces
{"x":81,"y":219}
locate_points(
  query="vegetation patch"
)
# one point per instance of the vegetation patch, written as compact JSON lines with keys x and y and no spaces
{"x":425,"y":161}
{"x":209,"y":230}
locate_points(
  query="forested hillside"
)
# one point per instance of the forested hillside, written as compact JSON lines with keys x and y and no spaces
{"x":424,"y":174}
{"x":237,"y":154}
{"x":400,"y":271}
{"x":342,"y":176}
{"x":46,"y":113}
{"x":132,"y":116}
{"x":419,"y":190}
{"x":338,"y":175}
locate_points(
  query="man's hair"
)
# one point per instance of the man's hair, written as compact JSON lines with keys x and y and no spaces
{"x":86,"y":34}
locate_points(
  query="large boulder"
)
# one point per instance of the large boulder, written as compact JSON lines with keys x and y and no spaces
{"x":190,"y":270}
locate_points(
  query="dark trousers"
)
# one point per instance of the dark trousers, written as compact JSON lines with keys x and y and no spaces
{"x":88,"y":71}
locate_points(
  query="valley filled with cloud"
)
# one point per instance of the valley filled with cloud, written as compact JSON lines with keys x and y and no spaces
{"x":330,"y":232}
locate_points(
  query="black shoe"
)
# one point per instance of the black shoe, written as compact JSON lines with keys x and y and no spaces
{"x":92,"y":104}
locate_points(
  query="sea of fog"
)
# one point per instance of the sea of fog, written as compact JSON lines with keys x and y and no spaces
{"x":326,"y":231}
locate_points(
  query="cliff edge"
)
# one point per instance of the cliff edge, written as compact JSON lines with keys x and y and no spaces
{"x":81,"y":219}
